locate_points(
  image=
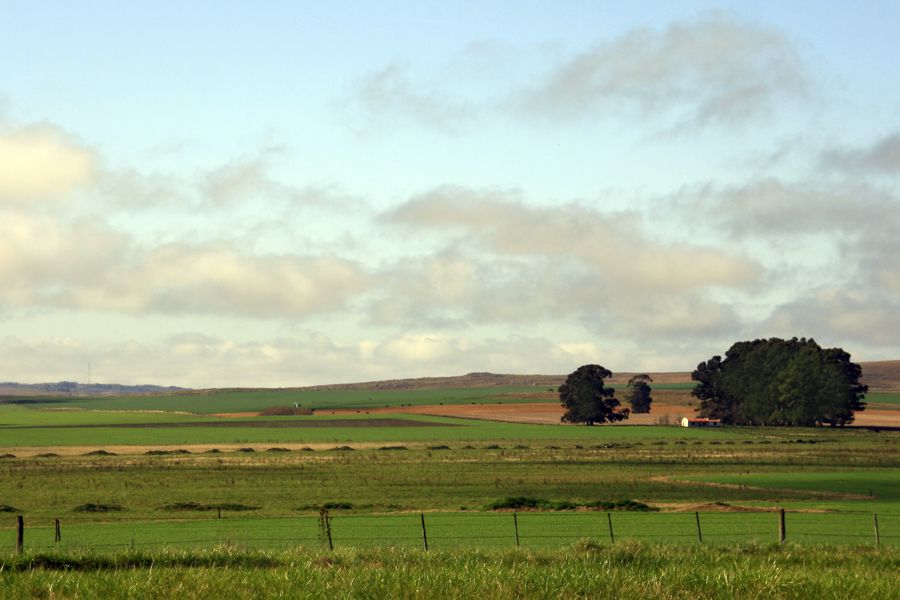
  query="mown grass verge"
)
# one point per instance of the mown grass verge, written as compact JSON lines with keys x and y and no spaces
{"x":584,"y":569}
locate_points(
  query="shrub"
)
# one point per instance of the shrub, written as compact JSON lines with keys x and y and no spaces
{"x":90,"y":507}
{"x":627,"y":505}
{"x":205,"y":507}
{"x":285,"y":411}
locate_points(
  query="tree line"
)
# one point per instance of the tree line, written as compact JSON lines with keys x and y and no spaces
{"x":760,"y":382}
{"x":780,"y":382}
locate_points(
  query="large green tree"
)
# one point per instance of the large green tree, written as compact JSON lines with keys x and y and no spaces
{"x":587,"y":400}
{"x":639,"y":393}
{"x":780,"y":382}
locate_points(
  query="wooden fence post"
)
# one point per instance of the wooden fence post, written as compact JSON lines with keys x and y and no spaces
{"x":58,"y":537}
{"x":328,"y":530}
{"x":516,"y":525}
{"x":877,"y":536}
{"x":699,"y":532}
{"x":325,"y":528}
{"x":20,"y":534}
{"x":782,"y":532}
{"x":424,"y":533}
{"x":612,"y":538}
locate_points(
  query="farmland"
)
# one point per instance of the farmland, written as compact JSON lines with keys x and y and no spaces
{"x":205,"y":474}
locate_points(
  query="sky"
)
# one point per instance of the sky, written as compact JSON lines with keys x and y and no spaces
{"x":219,"y":194}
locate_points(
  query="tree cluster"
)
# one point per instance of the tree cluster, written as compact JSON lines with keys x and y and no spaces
{"x":639,"y":393}
{"x":587,"y":400}
{"x":780,"y":382}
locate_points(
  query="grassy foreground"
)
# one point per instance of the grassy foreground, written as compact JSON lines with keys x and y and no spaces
{"x":582,"y":570}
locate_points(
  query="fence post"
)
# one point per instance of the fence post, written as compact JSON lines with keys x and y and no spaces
{"x":328,"y":530}
{"x":58,"y":537}
{"x":424,"y":533}
{"x":20,"y":534}
{"x":781,"y":527}
{"x":516,"y":525}
{"x":612,"y":538}
{"x":699,"y":532}
{"x":877,"y":536}
{"x":325,"y":527}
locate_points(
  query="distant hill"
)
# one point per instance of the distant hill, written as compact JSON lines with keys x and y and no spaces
{"x":882,"y":374}
{"x":878,"y":375}
{"x":72,"y":388}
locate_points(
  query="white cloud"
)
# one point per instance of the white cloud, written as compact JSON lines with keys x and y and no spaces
{"x":391,"y":91}
{"x":611,"y":244}
{"x":41,"y":161}
{"x":503,"y":261}
{"x":199,"y":360}
{"x":771,"y":207}
{"x":842,"y":316}
{"x":882,"y":157}
{"x":50,"y":263}
{"x":715,"y":69}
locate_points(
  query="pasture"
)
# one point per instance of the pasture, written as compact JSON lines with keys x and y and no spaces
{"x":580,"y":570}
{"x":197,"y":478}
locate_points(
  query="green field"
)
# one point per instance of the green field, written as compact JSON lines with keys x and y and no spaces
{"x":460,"y":530}
{"x":582,"y":570}
{"x":31,"y":426}
{"x":450,"y":469}
{"x":248,"y":513}
{"x":256,"y":400}
{"x":892,"y":398}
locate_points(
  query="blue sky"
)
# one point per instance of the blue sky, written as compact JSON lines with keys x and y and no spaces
{"x":275,"y":193}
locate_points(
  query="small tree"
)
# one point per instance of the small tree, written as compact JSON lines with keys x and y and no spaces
{"x":587,"y":400}
{"x":639,"y":393}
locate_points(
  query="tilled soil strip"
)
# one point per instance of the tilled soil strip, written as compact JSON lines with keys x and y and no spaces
{"x":287,"y":423}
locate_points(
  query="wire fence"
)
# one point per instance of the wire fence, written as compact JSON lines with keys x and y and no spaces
{"x":439,"y":530}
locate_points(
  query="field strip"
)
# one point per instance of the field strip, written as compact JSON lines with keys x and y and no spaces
{"x":544,"y":413}
{"x":549,"y":413}
{"x":827,"y":495}
{"x":129,"y":450}
{"x":258,"y":423}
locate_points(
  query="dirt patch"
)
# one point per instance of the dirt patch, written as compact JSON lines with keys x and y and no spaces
{"x":877,"y":417}
{"x":549,"y":413}
{"x":545,"y":413}
{"x":193,"y":449}
{"x":830,"y":495}
{"x":273,"y":424}
{"x":236,"y":415}
{"x":708,"y":507}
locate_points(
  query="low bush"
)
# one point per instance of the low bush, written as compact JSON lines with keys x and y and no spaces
{"x":189,"y":506}
{"x":629,"y":505}
{"x":523,"y":502}
{"x":285,"y":411}
{"x":90,"y":507}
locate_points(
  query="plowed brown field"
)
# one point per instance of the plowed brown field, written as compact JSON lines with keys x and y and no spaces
{"x":550,"y":413}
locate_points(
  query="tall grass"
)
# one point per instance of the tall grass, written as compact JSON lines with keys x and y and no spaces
{"x":579,"y":571}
